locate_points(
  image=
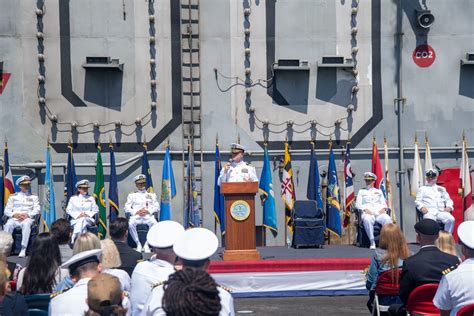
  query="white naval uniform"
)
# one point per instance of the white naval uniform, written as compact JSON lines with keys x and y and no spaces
{"x":135,"y":202}
{"x":21,"y":203}
{"x":144,"y":275}
{"x":435,"y":198}
{"x":456,"y":288}
{"x":238,"y":172}
{"x":123,"y":277}
{"x":373,"y":200}
{"x":73,"y":301}
{"x":78,"y":204}
{"x":153,"y":304}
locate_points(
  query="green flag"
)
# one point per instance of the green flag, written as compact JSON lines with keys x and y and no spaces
{"x":99,"y":194}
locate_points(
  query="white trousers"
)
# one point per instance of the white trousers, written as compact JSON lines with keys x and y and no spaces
{"x":25,"y":229}
{"x":135,"y":220}
{"x":80,"y":226}
{"x":444,"y":217}
{"x":369,"y":222}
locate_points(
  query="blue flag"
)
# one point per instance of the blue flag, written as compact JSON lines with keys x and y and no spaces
{"x":113,"y":187}
{"x":267,"y":196}
{"x":146,"y":170}
{"x":314,"y":180}
{"x":333,"y":196}
{"x":219,"y":208}
{"x":168,"y":188}
{"x":49,"y":210}
{"x":70,"y":176}
{"x":192,"y":217}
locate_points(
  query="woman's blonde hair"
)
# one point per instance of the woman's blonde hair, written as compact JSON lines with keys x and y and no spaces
{"x":86,"y":241}
{"x":4,"y":276}
{"x":394,"y":242}
{"x":445,"y":243}
{"x":110,"y":254}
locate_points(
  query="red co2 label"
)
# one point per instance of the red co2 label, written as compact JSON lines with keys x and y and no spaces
{"x":424,"y":56}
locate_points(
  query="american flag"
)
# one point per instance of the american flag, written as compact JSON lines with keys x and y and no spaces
{"x":348,"y":188}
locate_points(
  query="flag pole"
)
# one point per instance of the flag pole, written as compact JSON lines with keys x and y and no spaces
{"x":330,"y":146}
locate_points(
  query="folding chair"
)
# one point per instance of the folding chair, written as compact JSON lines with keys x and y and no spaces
{"x":308,"y":224}
{"x":387,"y":287}
{"x":420,"y":301}
{"x":467,"y":310}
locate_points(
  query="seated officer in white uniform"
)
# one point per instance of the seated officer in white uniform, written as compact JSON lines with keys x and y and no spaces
{"x":20,"y":209}
{"x":82,"y":208}
{"x":371,"y":202}
{"x":456,"y":288}
{"x":236,"y":170}
{"x":82,"y":268}
{"x":161,"y":237}
{"x":193,"y":248}
{"x":141,"y":205}
{"x":434,"y":202}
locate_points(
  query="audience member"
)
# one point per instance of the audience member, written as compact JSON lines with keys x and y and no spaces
{"x":105,"y":296}
{"x":118,"y":230}
{"x":446,"y":243}
{"x":426,"y":266}
{"x":6,"y":242}
{"x":456,"y":288}
{"x":371,"y":202}
{"x":43,"y":269}
{"x":161,"y":238}
{"x":191,"y":292}
{"x":62,"y":231}
{"x":86,"y":241}
{"x":11,"y":303}
{"x":193,"y":248}
{"x":111,"y":261}
{"x":393,"y":250}
{"x":82,"y":267}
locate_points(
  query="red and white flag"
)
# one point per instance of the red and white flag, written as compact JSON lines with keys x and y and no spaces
{"x":466,"y":185}
{"x":7,"y":177}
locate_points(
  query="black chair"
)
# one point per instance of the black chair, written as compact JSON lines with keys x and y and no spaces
{"x":419,"y":217}
{"x":362,"y":239}
{"x":16,"y":234}
{"x":308,"y":224}
{"x":142,"y":231}
{"x":94,"y":229}
{"x":38,"y":304}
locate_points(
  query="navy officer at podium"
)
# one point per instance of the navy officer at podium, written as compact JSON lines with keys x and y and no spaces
{"x":236,"y":170}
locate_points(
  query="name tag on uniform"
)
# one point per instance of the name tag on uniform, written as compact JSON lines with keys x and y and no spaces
{"x":245,"y":170}
{"x":29,"y":199}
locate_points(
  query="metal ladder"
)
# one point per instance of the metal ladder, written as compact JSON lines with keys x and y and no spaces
{"x":191,"y":93}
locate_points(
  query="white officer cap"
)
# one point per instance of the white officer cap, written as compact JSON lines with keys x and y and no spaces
{"x":23,"y":180}
{"x":82,"y":258}
{"x":466,"y":233}
{"x":141,"y":178}
{"x":431,"y":173}
{"x":196,"y":244}
{"x":164,"y":234}
{"x":82,"y":184}
{"x":236,"y":148}
{"x":369,"y":176}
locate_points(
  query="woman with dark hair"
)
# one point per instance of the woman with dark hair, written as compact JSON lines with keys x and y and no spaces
{"x":191,"y":292}
{"x":393,"y":249}
{"x":43,"y":269}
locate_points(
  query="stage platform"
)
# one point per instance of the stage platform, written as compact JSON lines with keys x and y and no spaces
{"x":284,"y":272}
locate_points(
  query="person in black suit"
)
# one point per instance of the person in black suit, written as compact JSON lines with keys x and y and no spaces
{"x":424,"y":267}
{"x":119,"y":232}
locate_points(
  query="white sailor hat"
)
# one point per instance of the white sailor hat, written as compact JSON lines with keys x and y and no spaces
{"x":236,"y":148}
{"x":23,"y":180}
{"x":196,"y":244}
{"x":466,"y":233}
{"x":431,"y":173}
{"x":164,"y":234}
{"x":369,"y":176}
{"x":82,"y":184}
{"x":141,"y":178}
{"x":82,"y":258}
